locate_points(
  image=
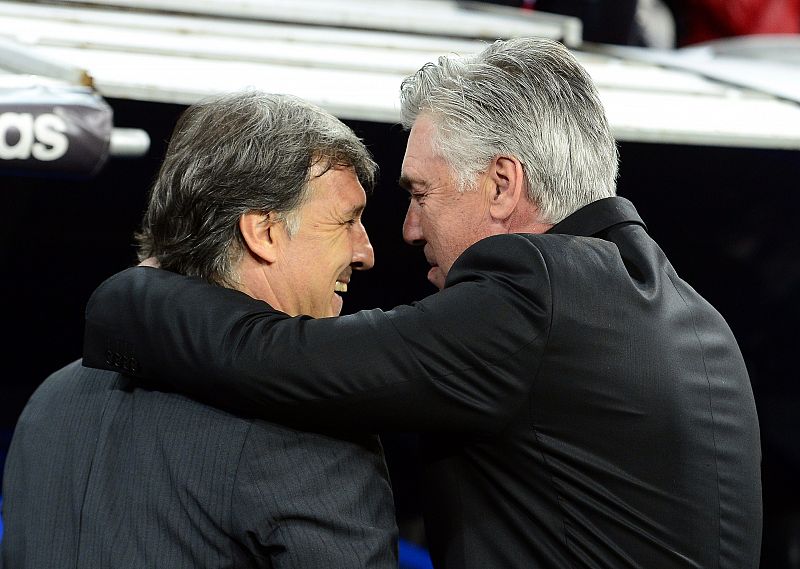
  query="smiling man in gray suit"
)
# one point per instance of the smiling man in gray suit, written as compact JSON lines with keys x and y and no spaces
{"x":260,"y":194}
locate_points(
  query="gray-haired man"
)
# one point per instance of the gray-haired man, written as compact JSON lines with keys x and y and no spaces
{"x":260,"y":194}
{"x":582,"y":405}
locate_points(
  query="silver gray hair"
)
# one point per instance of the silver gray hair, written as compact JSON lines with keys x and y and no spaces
{"x":238,"y":153}
{"x":528,"y":98}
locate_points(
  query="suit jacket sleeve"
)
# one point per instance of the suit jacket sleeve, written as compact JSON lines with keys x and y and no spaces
{"x":461,"y":359}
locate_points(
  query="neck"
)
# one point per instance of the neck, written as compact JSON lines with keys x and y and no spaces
{"x":253,"y":281}
{"x":527,"y":218}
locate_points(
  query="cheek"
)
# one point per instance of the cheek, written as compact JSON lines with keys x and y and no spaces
{"x":459,"y":238}
{"x":450,"y":231}
{"x":432,"y":228}
{"x":330,"y":262}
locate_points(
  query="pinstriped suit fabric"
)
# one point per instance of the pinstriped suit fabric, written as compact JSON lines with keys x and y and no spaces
{"x":102,"y":474}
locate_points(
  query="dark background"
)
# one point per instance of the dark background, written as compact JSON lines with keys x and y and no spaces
{"x":727,"y":218}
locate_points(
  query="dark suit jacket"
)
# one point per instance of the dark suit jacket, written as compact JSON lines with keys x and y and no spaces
{"x":583,"y":406}
{"x":104,"y":474}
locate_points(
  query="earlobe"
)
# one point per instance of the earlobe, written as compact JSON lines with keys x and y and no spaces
{"x":259,"y":233}
{"x":508,"y":181}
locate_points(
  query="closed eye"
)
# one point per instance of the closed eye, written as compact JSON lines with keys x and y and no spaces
{"x":353,"y":216}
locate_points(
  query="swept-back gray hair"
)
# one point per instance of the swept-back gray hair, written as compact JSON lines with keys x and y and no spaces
{"x":528,"y":98}
{"x":234,"y":154}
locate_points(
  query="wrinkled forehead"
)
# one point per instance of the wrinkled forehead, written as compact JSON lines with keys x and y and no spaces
{"x":339,"y":186}
{"x":421,"y":144}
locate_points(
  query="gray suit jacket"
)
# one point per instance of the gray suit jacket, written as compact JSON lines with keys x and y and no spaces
{"x":102,"y":473}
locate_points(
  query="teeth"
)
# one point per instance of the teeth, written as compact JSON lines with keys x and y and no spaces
{"x":340,"y":286}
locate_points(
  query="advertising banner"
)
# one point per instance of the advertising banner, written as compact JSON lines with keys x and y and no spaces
{"x":52,"y":129}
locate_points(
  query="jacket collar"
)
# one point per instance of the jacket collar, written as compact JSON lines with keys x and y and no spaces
{"x":598,"y":217}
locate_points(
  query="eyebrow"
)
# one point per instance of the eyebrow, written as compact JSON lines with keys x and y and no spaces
{"x":407,"y":183}
{"x":404,"y":183}
{"x":355,"y":211}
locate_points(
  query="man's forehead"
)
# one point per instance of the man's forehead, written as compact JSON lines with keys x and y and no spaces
{"x":340,"y":188}
{"x":349,"y":201}
{"x":345,"y":199}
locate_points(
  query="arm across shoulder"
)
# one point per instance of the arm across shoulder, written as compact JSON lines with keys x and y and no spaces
{"x":458,"y":360}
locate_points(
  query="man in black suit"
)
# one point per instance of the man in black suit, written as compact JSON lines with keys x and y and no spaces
{"x":261,"y":194}
{"x":580,"y":404}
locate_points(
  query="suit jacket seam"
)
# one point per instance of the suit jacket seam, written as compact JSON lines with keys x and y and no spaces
{"x":536,"y":433}
{"x":235,"y":483}
{"x":90,"y":470}
{"x":710,"y":410}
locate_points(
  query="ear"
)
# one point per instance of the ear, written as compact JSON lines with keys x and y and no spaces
{"x":506,"y":180}
{"x":261,"y":235}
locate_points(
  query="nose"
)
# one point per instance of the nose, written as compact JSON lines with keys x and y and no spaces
{"x":412,"y":230}
{"x":363,"y":254}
